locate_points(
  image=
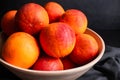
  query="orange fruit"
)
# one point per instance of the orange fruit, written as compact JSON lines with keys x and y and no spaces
{"x":67,"y":63}
{"x":57,"y":39}
{"x":76,"y":19}
{"x":85,"y":50}
{"x":20,"y":49}
{"x":31,"y":18}
{"x":8,"y":22}
{"x":54,"y":10}
{"x":47,"y":63}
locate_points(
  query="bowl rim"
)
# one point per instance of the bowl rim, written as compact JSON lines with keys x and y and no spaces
{"x":76,"y":69}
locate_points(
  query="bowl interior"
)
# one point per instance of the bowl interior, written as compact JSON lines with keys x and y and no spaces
{"x":77,"y":69}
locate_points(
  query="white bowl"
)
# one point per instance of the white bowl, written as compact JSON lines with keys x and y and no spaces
{"x":70,"y":74}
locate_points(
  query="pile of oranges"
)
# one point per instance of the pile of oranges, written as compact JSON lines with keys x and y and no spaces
{"x":47,"y":37}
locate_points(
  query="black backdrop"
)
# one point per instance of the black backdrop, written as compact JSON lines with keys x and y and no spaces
{"x":102,"y":14}
{"x":103,"y":17}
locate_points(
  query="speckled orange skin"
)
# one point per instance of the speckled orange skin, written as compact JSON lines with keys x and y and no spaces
{"x":21,"y":50}
{"x":76,"y":19}
{"x":31,"y":18}
{"x":47,"y":63}
{"x":86,"y":49}
{"x":55,"y":11}
{"x":58,"y":39}
{"x":8,"y":22}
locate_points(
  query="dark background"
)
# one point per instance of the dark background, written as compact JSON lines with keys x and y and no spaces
{"x":103,"y":17}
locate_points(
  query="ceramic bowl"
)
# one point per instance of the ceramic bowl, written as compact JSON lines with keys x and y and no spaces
{"x":70,"y":74}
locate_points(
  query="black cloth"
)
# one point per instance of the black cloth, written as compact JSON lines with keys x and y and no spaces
{"x":103,"y":17}
{"x":108,"y":68}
